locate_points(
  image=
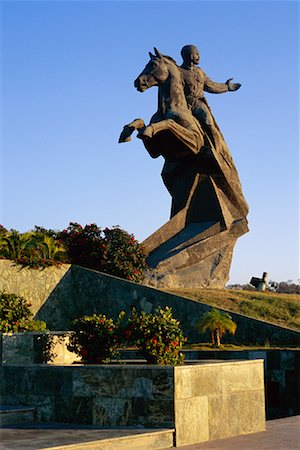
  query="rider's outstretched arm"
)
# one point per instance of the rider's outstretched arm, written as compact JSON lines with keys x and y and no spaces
{"x":219,"y":88}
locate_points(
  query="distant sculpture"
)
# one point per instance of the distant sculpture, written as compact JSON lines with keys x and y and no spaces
{"x":208,"y":210}
{"x":260,"y":283}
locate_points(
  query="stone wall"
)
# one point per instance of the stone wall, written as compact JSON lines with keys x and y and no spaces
{"x":282,"y":376}
{"x":215,"y":401}
{"x":35,"y":285}
{"x":282,"y":367}
{"x":92,"y":292}
{"x":65,"y":293}
{"x":35,"y":348}
{"x":202,"y":402}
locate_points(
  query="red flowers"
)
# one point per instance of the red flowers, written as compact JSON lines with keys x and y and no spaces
{"x":112,"y":250}
{"x":158,"y":336}
{"x":127,"y":334}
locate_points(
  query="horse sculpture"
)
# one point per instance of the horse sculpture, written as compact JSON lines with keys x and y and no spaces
{"x":173,"y":114}
{"x":198,"y":172}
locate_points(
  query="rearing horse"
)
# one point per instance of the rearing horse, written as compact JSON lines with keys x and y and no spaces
{"x":173,"y":115}
{"x":177,"y":135}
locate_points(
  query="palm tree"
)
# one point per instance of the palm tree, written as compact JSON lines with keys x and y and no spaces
{"x":13,"y":245}
{"x":48,"y":247}
{"x":218,"y":323}
{"x":52,"y":249}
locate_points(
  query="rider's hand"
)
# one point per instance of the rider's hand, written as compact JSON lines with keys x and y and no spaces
{"x":232,"y":86}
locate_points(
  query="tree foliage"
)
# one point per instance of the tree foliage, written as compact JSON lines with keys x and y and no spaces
{"x":34,"y":249}
{"x":112,"y":250}
{"x":15,"y":315}
{"x":218,"y":323}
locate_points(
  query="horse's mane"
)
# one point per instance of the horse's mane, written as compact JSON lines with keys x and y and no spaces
{"x":170,"y":59}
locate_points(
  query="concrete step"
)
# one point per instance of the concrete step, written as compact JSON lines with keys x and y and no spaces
{"x":16,"y":414}
{"x":66,"y":438}
{"x":153,"y":440}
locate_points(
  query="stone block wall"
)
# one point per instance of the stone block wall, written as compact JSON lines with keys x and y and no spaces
{"x":35,"y":348}
{"x":282,"y":376}
{"x":227,"y":399}
{"x":282,"y":367}
{"x":202,"y":402}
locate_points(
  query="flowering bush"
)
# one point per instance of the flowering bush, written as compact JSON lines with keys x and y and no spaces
{"x":111,"y":251}
{"x":85,"y":246}
{"x":94,"y":339}
{"x":16,"y":316}
{"x":158,"y":336}
{"x":34,"y":249}
{"x":126,"y":257}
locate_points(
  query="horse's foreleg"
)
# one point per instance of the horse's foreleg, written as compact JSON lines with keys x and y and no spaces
{"x":137,"y":124}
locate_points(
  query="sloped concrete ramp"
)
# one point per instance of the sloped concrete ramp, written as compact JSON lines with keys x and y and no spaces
{"x":59,"y":437}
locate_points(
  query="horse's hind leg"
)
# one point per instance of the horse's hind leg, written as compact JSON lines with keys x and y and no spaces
{"x":193,"y":141}
{"x":137,"y":124}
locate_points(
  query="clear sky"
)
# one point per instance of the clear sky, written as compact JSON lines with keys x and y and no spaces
{"x":67,"y":90}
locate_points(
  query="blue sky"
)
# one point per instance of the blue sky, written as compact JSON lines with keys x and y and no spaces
{"x":67,"y":90}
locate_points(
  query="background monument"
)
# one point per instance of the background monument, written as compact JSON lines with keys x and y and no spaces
{"x":208,"y":213}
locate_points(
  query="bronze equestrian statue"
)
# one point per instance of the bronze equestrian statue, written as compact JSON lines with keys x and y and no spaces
{"x":208,"y":213}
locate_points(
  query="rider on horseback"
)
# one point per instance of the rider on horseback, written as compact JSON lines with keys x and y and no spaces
{"x":195,"y":83}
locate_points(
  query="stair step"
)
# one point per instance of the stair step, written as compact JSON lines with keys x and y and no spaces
{"x":154,"y":440}
{"x":16,"y":414}
{"x":60,"y":438}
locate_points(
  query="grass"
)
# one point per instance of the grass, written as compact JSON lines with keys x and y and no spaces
{"x":204,"y":346}
{"x":280,"y":309}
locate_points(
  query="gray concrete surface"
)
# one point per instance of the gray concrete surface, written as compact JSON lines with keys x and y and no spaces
{"x":281,"y":434}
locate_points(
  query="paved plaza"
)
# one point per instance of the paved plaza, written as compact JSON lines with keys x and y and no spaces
{"x":281,"y":434}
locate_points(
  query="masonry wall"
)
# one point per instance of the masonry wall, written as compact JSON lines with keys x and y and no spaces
{"x":202,"y":402}
{"x":281,"y":367}
{"x":62,"y":294}
{"x":35,"y":285}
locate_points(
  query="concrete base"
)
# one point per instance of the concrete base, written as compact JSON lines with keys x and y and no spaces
{"x":205,"y":401}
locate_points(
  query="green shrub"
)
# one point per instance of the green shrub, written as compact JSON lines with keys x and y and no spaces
{"x":33,"y":249}
{"x":112,"y":251}
{"x":94,"y":339}
{"x":15,"y":315}
{"x":126,"y":257}
{"x":158,"y":336}
{"x":85,"y":245}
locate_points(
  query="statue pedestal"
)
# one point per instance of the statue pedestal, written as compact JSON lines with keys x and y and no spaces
{"x":198,"y":255}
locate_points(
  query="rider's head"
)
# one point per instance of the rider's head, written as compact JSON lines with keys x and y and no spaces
{"x":190,"y":54}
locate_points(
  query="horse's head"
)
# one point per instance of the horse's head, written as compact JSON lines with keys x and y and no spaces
{"x":155,"y":72}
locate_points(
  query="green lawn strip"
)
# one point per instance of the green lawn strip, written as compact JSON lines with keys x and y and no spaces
{"x":279,"y":309}
{"x":205,"y":346}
